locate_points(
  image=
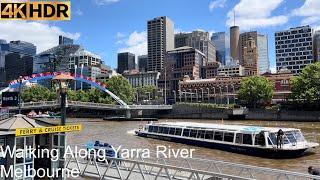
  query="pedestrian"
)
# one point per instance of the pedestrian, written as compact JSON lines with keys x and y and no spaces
{"x":280,"y":138}
{"x":313,"y":171}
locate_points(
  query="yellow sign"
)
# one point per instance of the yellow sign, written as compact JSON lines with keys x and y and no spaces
{"x":35,"y":10}
{"x":47,"y":130}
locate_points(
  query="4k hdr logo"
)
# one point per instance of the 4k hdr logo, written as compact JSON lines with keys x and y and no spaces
{"x":35,"y":10}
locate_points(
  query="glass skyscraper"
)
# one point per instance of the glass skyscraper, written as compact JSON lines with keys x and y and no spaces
{"x":263,"y":53}
{"x":219,"y":40}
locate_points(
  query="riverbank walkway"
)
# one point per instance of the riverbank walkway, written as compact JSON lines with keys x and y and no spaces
{"x":176,"y":168}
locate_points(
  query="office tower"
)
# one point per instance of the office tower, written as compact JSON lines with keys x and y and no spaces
{"x":16,"y":59}
{"x":263,"y":53}
{"x":234,"y":42}
{"x":180,"y":62}
{"x":294,"y":48}
{"x":316,"y":43}
{"x":219,"y":40}
{"x":143,"y":63}
{"x":160,"y":40}
{"x":199,"y":40}
{"x":65,"y":41}
{"x":250,"y":55}
{"x":126,"y":61}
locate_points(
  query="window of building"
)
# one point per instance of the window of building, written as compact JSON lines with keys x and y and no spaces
{"x":27,"y":160}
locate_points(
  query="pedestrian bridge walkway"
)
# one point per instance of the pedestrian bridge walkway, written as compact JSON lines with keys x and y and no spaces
{"x":88,"y":105}
{"x":176,"y":168}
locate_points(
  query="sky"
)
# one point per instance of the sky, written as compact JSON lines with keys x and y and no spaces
{"x":107,"y":27}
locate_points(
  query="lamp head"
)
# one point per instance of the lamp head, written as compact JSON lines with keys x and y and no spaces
{"x":63,"y":80}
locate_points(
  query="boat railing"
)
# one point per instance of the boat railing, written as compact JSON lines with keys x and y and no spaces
{"x":179,"y":168}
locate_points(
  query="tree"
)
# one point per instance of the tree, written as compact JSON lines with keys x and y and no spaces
{"x":143,"y":92}
{"x":121,"y":87}
{"x":256,"y":90}
{"x":306,"y":86}
{"x":38,"y":93}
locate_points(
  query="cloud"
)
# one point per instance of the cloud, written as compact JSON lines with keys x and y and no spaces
{"x":43,"y":35}
{"x":136,"y":43}
{"x":256,"y":13}
{"x":309,"y":10}
{"x":78,"y":12}
{"x":105,"y":2}
{"x":217,"y":4}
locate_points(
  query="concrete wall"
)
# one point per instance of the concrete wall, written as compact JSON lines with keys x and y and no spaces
{"x":194,"y":112}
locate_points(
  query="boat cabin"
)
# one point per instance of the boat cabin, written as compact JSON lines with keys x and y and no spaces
{"x":235,"y":134}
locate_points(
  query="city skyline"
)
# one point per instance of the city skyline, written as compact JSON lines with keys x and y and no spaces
{"x":127,"y":32}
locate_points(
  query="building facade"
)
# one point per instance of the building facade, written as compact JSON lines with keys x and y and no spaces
{"x":16,"y":59}
{"x":263,"y":53}
{"x":199,"y":40}
{"x":219,"y":40}
{"x":126,"y":61}
{"x":250,"y":55}
{"x":234,"y":42}
{"x":221,"y":88}
{"x":231,"y":70}
{"x":160,"y":40}
{"x":316,"y":43}
{"x":143,"y":63}
{"x":180,"y":62}
{"x":139,"y":79}
{"x":65,"y":40}
{"x":294,"y":48}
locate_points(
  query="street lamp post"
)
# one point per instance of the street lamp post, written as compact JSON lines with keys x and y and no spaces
{"x":197,"y":95}
{"x":202,"y":95}
{"x":63,"y":81}
{"x":19,"y":97}
{"x":234,"y":94}
{"x":185,"y":95}
{"x":214,"y":92}
{"x":190,"y":95}
{"x":179,"y":94}
{"x":227,"y":95}
{"x":208,"y":95}
{"x":220,"y":94}
{"x":175,"y":96}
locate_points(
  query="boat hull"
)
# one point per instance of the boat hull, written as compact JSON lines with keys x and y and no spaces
{"x":253,"y":151}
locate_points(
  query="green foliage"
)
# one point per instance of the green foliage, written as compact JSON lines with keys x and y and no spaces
{"x":256,"y":90}
{"x":306,"y":86}
{"x":38,"y":93}
{"x":144,"y":91}
{"x":121,"y":87}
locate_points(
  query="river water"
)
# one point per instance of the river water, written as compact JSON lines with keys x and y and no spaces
{"x":122,"y":133}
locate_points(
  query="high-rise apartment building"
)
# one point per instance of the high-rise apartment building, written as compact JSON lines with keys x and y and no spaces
{"x":16,"y":59}
{"x":160,"y":40}
{"x":234,"y":42}
{"x":199,"y":40}
{"x":126,"y":61}
{"x":294,"y":48}
{"x":219,"y":40}
{"x":143,"y":63}
{"x":316,"y":43}
{"x":263,"y":53}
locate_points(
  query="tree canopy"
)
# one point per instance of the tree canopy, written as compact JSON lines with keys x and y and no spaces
{"x":256,"y":90}
{"x":121,"y":87}
{"x":306,"y":86}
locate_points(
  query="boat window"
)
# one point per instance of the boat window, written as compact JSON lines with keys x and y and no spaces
{"x":290,"y":137}
{"x":259,"y":139}
{"x":172,"y":130}
{"x":228,"y":137}
{"x":298,"y":136}
{"x":150,"y":128}
{"x":155,"y":129}
{"x":239,"y":138}
{"x":186,"y":132}
{"x":201,"y":134}
{"x":247,"y":139}
{"x":193,"y":133}
{"x":218,"y":136}
{"x":165,"y":130}
{"x":209,"y":135}
{"x":178,"y":132}
{"x":273,"y":138}
{"x":160,"y":130}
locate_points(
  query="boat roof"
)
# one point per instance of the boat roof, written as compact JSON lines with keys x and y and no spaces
{"x":225,"y":127}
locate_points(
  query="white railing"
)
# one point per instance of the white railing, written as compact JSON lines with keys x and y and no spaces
{"x":177,"y":168}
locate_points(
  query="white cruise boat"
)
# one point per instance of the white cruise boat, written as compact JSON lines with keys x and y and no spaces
{"x":251,"y":140}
